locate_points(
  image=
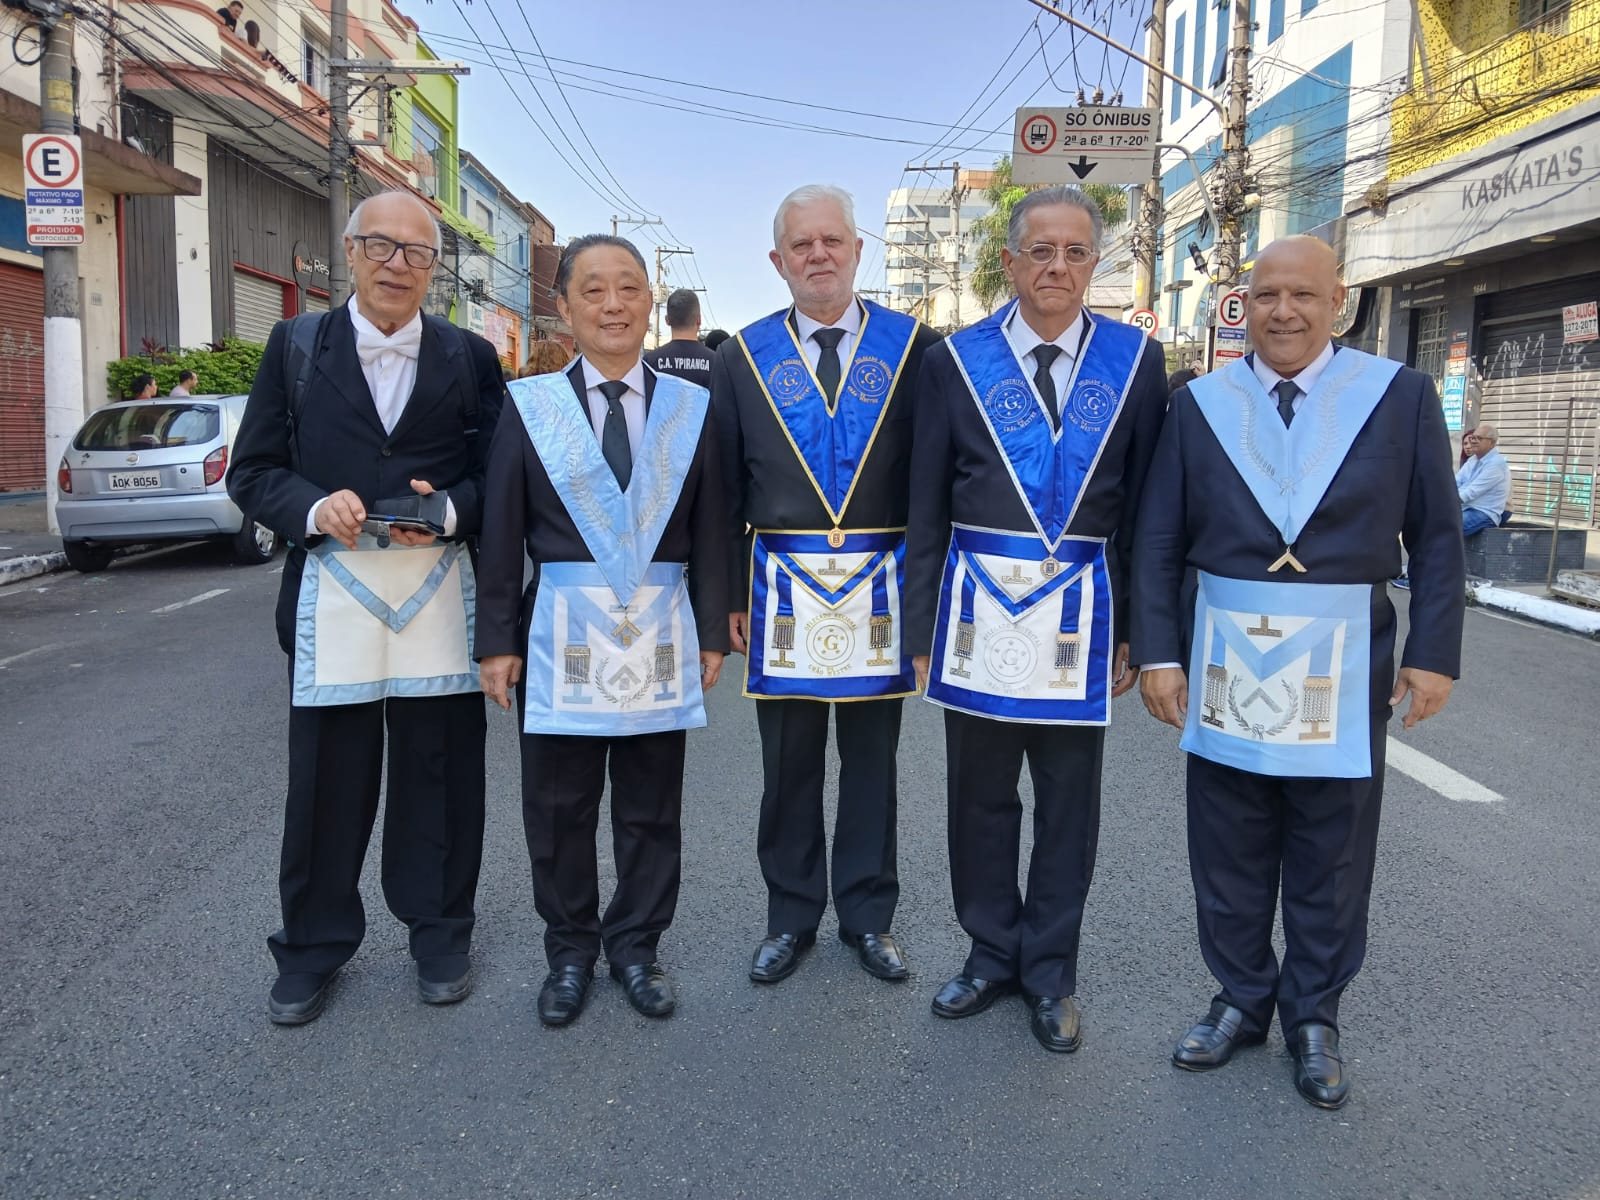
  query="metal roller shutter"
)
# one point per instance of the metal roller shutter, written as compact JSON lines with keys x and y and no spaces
{"x":315,"y":303}
{"x":1528,"y":376}
{"x":257,"y":306}
{"x":22,"y":467}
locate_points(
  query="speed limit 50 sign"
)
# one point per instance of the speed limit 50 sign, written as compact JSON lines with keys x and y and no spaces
{"x":1144,"y":319}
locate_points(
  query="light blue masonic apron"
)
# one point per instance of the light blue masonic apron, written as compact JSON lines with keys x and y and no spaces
{"x":377,"y":623}
{"x":825,"y":603}
{"x":1024,"y":625}
{"x":1279,"y":671}
{"x":612,"y":647}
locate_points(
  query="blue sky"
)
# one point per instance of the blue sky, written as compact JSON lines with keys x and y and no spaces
{"x":915,"y":65}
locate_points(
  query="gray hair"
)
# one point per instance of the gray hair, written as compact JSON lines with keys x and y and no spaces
{"x":352,"y":227}
{"x":1487,"y":432}
{"x":810,"y":194}
{"x":570,"y":252}
{"x":1076,"y":197}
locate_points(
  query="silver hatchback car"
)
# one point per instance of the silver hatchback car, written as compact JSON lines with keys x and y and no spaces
{"x":144,"y":471}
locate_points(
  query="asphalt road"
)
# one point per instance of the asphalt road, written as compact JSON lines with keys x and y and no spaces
{"x":140,"y":790}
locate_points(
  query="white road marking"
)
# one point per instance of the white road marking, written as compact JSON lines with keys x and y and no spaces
{"x":6,"y":662}
{"x":1450,"y":784}
{"x":211,"y":595}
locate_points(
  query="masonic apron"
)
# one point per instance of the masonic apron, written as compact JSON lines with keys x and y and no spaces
{"x":612,"y":647}
{"x":1279,"y":670}
{"x":1024,"y":626}
{"x":374,"y":623}
{"x":825,"y":604}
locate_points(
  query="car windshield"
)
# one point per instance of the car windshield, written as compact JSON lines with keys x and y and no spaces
{"x":149,"y":427}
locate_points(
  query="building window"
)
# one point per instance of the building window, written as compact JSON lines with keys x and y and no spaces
{"x":1219,"y":63}
{"x":1274,"y":20}
{"x":314,"y":63}
{"x":483,"y":217}
{"x":1543,"y":16}
{"x":1432,"y":342}
{"x":1178,"y":44}
{"x":427,"y":153}
{"x":1196,"y":76}
{"x":462,"y":207}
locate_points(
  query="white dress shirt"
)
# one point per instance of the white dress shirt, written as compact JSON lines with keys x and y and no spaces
{"x":1484,"y":483}
{"x":850,"y":322}
{"x":633,"y":407}
{"x":1024,"y":340}
{"x":1305,"y":380}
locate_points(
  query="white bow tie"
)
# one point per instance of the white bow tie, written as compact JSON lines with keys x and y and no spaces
{"x":372,"y":346}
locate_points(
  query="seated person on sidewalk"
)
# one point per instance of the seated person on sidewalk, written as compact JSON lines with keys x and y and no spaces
{"x":1483,"y":483}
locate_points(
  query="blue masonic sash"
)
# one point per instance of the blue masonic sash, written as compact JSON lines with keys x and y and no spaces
{"x":373,"y":623}
{"x":629,"y":657}
{"x":832,"y":441}
{"x":1278,"y":677}
{"x":824,"y":616}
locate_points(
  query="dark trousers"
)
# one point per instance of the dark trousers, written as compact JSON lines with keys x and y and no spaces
{"x":1320,"y":836}
{"x":792,"y":844}
{"x":1032,"y":939}
{"x":432,"y":828}
{"x":563,"y":779}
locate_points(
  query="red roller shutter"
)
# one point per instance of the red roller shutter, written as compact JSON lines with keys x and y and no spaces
{"x":21,"y":379}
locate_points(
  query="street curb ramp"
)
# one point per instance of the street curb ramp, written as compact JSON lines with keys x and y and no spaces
{"x":27,"y":566}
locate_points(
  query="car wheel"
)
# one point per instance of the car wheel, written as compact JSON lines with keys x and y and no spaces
{"x":254,"y":544}
{"x":86,"y":556}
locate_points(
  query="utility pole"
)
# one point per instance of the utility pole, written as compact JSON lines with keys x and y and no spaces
{"x":338,"y":149}
{"x":1235,"y":149}
{"x":958,"y":194}
{"x":1149,"y":224}
{"x":633,"y":222}
{"x":662,"y":254}
{"x":927,"y":263}
{"x":63,"y":340}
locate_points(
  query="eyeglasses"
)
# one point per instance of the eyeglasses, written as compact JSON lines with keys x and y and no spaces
{"x":1044,"y":253}
{"x":419,"y":255}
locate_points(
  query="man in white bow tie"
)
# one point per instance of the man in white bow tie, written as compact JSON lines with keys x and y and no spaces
{"x":375,"y":402}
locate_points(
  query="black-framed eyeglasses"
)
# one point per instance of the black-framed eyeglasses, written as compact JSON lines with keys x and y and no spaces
{"x":419,"y":255}
{"x":1044,"y":253}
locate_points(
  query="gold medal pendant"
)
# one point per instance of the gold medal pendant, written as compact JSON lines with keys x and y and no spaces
{"x":1049,"y":566}
{"x":1287,"y":559}
{"x":835,"y":537}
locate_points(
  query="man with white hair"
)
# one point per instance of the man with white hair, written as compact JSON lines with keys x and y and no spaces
{"x":1483,"y":483}
{"x":364,"y":443}
{"x":814,"y":407}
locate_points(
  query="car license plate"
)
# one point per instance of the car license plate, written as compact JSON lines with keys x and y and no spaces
{"x":135,"y":481}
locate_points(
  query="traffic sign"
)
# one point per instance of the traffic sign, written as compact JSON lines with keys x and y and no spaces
{"x":1144,"y":319}
{"x":53,"y":189}
{"x":1230,"y":342}
{"x":1084,"y":144}
{"x":1231,"y":309}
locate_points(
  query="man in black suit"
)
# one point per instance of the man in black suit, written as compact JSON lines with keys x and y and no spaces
{"x":1036,"y":428}
{"x":814,"y":408}
{"x":609,"y":482}
{"x":368,"y":402}
{"x":1283,"y":487}
{"x":683,"y":356}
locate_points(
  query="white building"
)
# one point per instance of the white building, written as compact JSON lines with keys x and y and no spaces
{"x":929,"y":256}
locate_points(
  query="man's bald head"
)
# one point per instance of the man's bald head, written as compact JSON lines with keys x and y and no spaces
{"x":1294,"y":294}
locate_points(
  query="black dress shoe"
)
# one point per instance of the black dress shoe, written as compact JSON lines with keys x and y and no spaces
{"x":446,"y":979}
{"x":1318,"y":1069}
{"x":563,"y":993}
{"x":298,"y":997}
{"x":878,"y":954}
{"x":1055,"y":1023}
{"x":779,"y":954}
{"x":648,"y":988}
{"x":1212,"y":1041}
{"x":966,"y":995}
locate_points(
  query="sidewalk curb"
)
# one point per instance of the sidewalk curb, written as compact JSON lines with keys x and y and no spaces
{"x":15,"y":570}
{"x":1538,"y":608}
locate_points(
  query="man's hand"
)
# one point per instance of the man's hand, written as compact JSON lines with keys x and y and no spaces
{"x":497,"y":674}
{"x":1429,"y":691}
{"x":1123,"y":675}
{"x":411,"y":537}
{"x":710,"y":669}
{"x":739,"y":632}
{"x":340,"y":517}
{"x":922,"y":664}
{"x":1165,"y":692}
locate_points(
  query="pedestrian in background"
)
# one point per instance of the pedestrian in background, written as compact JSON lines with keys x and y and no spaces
{"x":186,"y":380}
{"x":683,"y":356}
{"x":143,"y":388}
{"x":544,"y":356}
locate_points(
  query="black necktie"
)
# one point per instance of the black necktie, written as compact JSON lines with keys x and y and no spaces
{"x":1287,"y":390}
{"x":614,"y":439}
{"x":1043,"y":355}
{"x":828,"y":361}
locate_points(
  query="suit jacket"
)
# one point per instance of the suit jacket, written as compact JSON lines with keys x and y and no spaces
{"x":1396,"y":482}
{"x":341,"y":442}
{"x":766,"y":482}
{"x":523,"y":512}
{"x":959,"y":476}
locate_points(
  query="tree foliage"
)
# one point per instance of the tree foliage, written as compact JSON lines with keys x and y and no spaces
{"x":989,"y":282}
{"x":226,"y":368}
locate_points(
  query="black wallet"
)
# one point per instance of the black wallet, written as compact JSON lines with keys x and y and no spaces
{"x":420,"y":514}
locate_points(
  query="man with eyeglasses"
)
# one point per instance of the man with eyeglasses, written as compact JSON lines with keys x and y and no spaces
{"x":365,"y":442}
{"x":1034,"y":432}
{"x":1483,"y":484}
